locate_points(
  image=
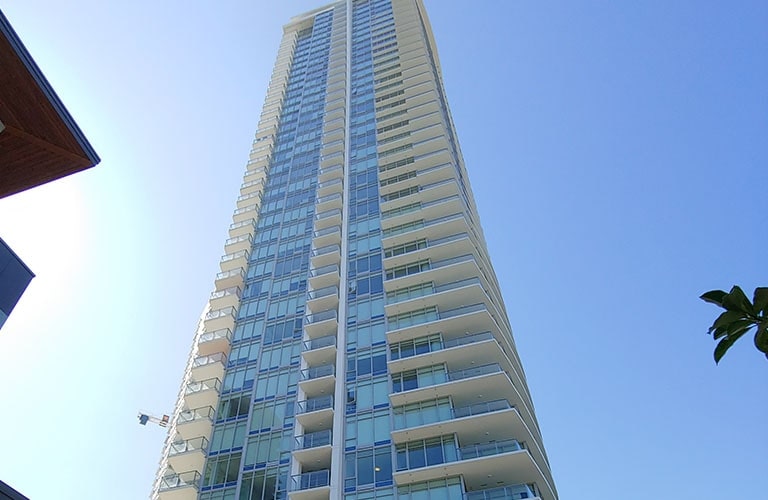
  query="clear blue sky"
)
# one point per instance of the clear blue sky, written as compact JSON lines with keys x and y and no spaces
{"x":618,"y":154}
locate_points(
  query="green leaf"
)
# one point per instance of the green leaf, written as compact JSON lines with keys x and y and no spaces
{"x":720,"y":331}
{"x":761,"y":300}
{"x":736,"y":300}
{"x":761,"y":338}
{"x":725,"y":319}
{"x":725,"y":344}
{"x":740,"y":327}
{"x":714,"y":297}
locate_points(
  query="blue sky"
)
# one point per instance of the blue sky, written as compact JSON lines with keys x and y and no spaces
{"x":618,"y":155}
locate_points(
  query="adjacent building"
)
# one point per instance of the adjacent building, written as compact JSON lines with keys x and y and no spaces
{"x":356,"y":344}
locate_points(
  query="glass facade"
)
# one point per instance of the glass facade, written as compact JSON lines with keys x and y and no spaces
{"x":355,"y":344}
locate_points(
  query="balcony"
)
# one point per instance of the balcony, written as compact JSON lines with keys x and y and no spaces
{"x":424,"y":177}
{"x":311,"y":486}
{"x":314,"y":449}
{"x":448,"y":296}
{"x":439,"y":190}
{"x":228,"y":297}
{"x":330,"y":173}
{"x":320,"y":351}
{"x":220,"y":319}
{"x":210,"y":366}
{"x":325,"y":256}
{"x":327,"y":219}
{"x":514,"y":492}
{"x":430,"y":213}
{"x":328,"y":236}
{"x":331,"y":159}
{"x":315,"y":413}
{"x":318,"y":380}
{"x":202,"y":394}
{"x":329,"y":187}
{"x":179,"y":486}
{"x":323,"y":298}
{"x":230,"y":279}
{"x":215,"y":341}
{"x":188,"y":455}
{"x":332,"y":147}
{"x":329,"y":202}
{"x":245,"y":200}
{"x":482,"y":463}
{"x":323,"y":277}
{"x":238,"y":243}
{"x":245,"y":213}
{"x":316,"y":324}
{"x":437,"y":249}
{"x":243,"y":227}
{"x":195,"y":423}
{"x":439,"y":271}
{"x":233,"y":261}
{"x":451,"y":322}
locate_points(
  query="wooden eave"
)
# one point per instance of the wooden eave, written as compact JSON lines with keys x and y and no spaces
{"x":39,"y":140}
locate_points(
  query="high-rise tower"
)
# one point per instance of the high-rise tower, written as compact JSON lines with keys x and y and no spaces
{"x":356,"y":344}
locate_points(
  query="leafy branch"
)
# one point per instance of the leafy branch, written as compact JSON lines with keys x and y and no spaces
{"x":739,"y":317}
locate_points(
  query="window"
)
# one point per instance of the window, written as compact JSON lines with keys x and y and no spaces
{"x":221,"y":469}
{"x":368,"y":467}
{"x":233,"y":407}
{"x":422,"y":377}
{"x":426,"y":452}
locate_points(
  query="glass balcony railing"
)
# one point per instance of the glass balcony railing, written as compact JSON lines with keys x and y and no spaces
{"x":335,"y":212}
{"x":422,"y":290}
{"x":326,"y":231}
{"x":238,"y":239}
{"x":223,"y":333}
{"x":406,"y":417}
{"x":217,"y":357}
{"x":474,"y":372}
{"x":330,"y":183}
{"x":333,"y":268}
{"x":319,"y":343}
{"x":314,"y":404}
{"x":206,"y":385}
{"x":234,"y":273}
{"x":318,"y":372}
{"x":206,"y":413}
{"x":425,"y":345}
{"x":179,"y":447}
{"x":182,"y":480}
{"x":488,"y":449}
{"x":515,"y":492}
{"x":323,"y":292}
{"x":309,"y":480}
{"x":326,"y":250}
{"x":235,"y":256}
{"x":321,"y":316}
{"x":220,"y":313}
{"x":251,"y":223}
{"x":330,"y":197}
{"x":313,"y":440}
{"x":410,"y":383}
{"x":397,"y":322}
{"x":233,"y":290}
{"x":481,"y":408}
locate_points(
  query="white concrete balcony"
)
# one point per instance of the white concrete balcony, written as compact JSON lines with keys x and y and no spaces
{"x":432,"y":229}
{"x":432,"y":212}
{"x":230,"y":279}
{"x":333,"y":158}
{"x":202,"y":394}
{"x":228,"y":297}
{"x":215,"y":341}
{"x":183,"y":486}
{"x":332,"y":147}
{"x":334,"y":185}
{"x":210,"y":366}
{"x":252,"y":185}
{"x":322,"y":277}
{"x":314,"y":449}
{"x":188,"y":455}
{"x":449,"y":296}
{"x":318,"y":380}
{"x":327,"y":219}
{"x":315,"y":413}
{"x":195,"y":423}
{"x":325,"y":256}
{"x":322,"y":299}
{"x":220,"y":319}
{"x":330,"y":202}
{"x":436,"y":249}
{"x":245,"y":213}
{"x":232,"y":261}
{"x":440,"y":271}
{"x":432,"y":192}
{"x":238,"y":243}
{"x":423,"y":177}
{"x":333,"y":132}
{"x":330,"y":173}
{"x":320,"y":351}
{"x":310,"y":486}
{"x":328,"y":236}
{"x":248,"y":199}
{"x":243,"y":227}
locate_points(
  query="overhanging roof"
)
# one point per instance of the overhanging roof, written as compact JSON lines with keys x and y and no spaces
{"x":39,"y":140}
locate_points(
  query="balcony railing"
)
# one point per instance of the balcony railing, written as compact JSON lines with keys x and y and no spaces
{"x":233,"y":290}
{"x":206,"y":413}
{"x":318,"y":371}
{"x":474,"y":372}
{"x":323,"y":292}
{"x":313,"y":440}
{"x":445,"y":377}
{"x":205,"y":385}
{"x":217,"y":357}
{"x":424,"y":345}
{"x":309,"y":480}
{"x":408,"y":419}
{"x":179,"y":447}
{"x":488,"y":449}
{"x":220,"y":313}
{"x":321,"y":316}
{"x":515,"y":492}
{"x":326,"y":231}
{"x":395,"y":298}
{"x":324,"y":270}
{"x":397,"y":324}
{"x":314,"y":404}
{"x":224,"y":333}
{"x":184,"y":479}
{"x":320,"y":342}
